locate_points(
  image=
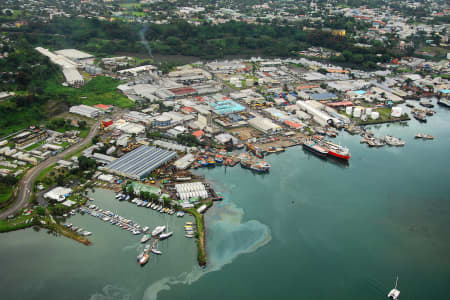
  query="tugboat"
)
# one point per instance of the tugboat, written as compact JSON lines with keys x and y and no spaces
{"x":315,"y":148}
{"x":394,"y":293}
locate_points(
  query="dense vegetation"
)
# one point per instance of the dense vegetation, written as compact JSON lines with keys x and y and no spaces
{"x":25,"y":69}
{"x":207,"y":41}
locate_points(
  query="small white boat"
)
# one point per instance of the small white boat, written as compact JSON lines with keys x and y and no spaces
{"x":394,"y":293}
{"x":165,"y":235}
{"x":158,"y":230}
{"x":145,"y":229}
{"x":144,"y":259}
{"x":189,"y":235}
{"x":156,"y":251}
{"x":87,"y":233}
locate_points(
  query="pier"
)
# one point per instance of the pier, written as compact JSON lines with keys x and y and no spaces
{"x":109,"y":216}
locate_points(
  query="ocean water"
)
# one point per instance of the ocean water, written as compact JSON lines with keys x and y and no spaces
{"x":310,"y":229}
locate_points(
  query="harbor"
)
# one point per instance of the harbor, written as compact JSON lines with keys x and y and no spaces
{"x":252,"y":226}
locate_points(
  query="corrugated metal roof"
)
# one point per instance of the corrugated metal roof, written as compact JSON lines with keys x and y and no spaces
{"x":141,"y":161}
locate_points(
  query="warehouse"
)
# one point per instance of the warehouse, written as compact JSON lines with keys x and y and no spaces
{"x":263,"y":124}
{"x":140,"y":162}
{"x":75,"y":55}
{"x":86,"y":111}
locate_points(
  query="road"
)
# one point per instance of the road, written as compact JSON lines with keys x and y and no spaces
{"x":26,"y":183}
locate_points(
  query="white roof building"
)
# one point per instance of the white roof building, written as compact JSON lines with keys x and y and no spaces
{"x":86,"y":111}
{"x":58,"y":193}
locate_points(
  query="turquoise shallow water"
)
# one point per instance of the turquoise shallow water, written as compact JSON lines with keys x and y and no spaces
{"x":310,"y":229}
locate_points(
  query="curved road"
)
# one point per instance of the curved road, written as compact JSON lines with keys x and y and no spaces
{"x":26,"y":183}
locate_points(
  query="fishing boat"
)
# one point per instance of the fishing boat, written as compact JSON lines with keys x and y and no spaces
{"x":145,"y":238}
{"x":426,"y":103}
{"x":420,"y":116}
{"x":444,"y":102}
{"x":260,"y":167}
{"x":394,"y":293}
{"x":315,"y":148}
{"x":246,"y":164}
{"x":393,"y":141}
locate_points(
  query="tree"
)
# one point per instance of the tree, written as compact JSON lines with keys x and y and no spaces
{"x":154,"y":197}
{"x":40,"y":211}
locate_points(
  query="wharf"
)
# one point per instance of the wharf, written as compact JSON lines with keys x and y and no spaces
{"x":111,"y":216}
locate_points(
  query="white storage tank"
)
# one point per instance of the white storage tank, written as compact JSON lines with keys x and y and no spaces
{"x":357,"y":112}
{"x":349,"y":110}
{"x":374,"y":115}
{"x":396,"y":112}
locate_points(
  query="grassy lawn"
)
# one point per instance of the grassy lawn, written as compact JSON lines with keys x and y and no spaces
{"x":99,"y":90}
{"x":44,"y":173}
{"x":34,"y":146}
{"x":77,"y":153}
{"x":16,"y":223}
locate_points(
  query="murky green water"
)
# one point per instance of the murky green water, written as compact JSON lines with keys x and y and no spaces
{"x":311,"y":229}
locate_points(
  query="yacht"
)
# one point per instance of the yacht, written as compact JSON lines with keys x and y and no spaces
{"x":165,"y":235}
{"x":158,"y":230}
{"x":394,"y":293}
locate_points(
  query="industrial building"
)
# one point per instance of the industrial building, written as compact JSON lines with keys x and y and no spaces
{"x":75,"y":55}
{"x":263,"y":124}
{"x":140,"y":162}
{"x":86,"y":111}
{"x":321,"y":117}
{"x":29,"y":137}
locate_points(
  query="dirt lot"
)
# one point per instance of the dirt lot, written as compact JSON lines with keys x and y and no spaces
{"x":245,"y":133}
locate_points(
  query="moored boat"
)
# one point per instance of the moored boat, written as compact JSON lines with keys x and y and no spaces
{"x":145,"y":238}
{"x":313,"y":147}
{"x":144,"y":259}
{"x":335,"y":150}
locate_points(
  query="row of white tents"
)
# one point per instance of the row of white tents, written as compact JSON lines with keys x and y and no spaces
{"x":186,"y":191}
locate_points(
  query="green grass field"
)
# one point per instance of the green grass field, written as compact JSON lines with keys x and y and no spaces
{"x":34,"y":146}
{"x":16,"y":223}
{"x":99,"y":90}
